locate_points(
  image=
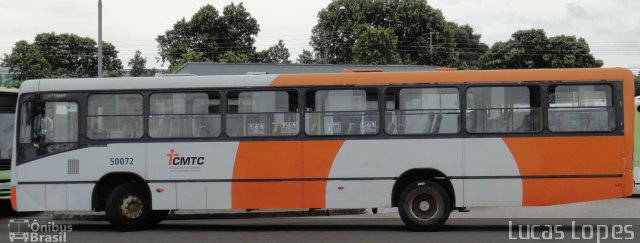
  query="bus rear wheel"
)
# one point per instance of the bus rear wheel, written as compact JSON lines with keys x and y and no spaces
{"x":128,"y":207}
{"x":424,"y":206}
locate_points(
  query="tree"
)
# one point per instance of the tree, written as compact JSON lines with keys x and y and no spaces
{"x":54,"y":55}
{"x":468,"y":45}
{"x":423,"y":34}
{"x":307,"y":57}
{"x":533,"y":49}
{"x":637,"y":83}
{"x":210,"y":35}
{"x":570,"y":52}
{"x":232,"y":57}
{"x":138,"y":66}
{"x":26,"y":62}
{"x":375,"y":45}
{"x":277,"y":53}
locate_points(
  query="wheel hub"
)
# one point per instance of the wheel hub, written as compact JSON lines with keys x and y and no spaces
{"x":424,"y":206}
{"x":131,"y":207}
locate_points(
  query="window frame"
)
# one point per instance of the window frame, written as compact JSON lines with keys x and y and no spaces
{"x":617,"y":108}
{"x":379,"y":89}
{"x":542,"y":91}
{"x":224,"y":102}
{"x":147,"y":112}
{"x":144,"y":115}
{"x":461,"y":108}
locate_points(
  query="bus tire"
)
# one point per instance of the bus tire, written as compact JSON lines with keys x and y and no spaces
{"x":128,"y":207}
{"x":424,"y":206}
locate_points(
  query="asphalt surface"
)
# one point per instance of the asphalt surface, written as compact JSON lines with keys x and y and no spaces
{"x":594,"y":219}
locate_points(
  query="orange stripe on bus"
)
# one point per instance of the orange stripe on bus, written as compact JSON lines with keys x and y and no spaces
{"x":583,"y":155}
{"x":283,"y":160}
{"x":14,"y":203}
{"x":542,"y":192}
{"x":450,"y":77}
{"x":267,"y":160}
{"x":318,"y":159}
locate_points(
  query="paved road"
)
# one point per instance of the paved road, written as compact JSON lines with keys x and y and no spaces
{"x":479,"y":225}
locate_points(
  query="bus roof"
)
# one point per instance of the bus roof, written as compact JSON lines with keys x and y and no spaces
{"x":357,"y":78}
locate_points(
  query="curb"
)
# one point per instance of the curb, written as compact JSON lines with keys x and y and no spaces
{"x":185,"y":215}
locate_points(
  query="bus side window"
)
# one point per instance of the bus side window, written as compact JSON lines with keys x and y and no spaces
{"x":423,"y":111}
{"x":503,"y":109}
{"x":342,"y":112}
{"x":115,"y":116}
{"x":581,"y":108}
{"x":184,"y":115}
{"x":262,"y":114}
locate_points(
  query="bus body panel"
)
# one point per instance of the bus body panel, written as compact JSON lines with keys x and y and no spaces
{"x":239,"y":175}
{"x":77,"y":195}
{"x":267,"y":174}
{"x":491,"y":174}
{"x":85,"y":164}
{"x":594,"y":162}
{"x":31,"y":198}
{"x":163,"y":195}
{"x":382,"y":160}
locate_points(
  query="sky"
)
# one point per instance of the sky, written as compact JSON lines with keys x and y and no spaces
{"x":611,"y":27}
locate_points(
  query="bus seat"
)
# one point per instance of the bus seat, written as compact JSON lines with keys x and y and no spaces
{"x":390,"y":127}
{"x":275,"y":129}
{"x":315,"y":128}
{"x":429,"y":124}
{"x":436,"y":126}
{"x":350,"y":128}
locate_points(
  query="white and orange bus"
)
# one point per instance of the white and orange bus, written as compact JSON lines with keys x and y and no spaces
{"x":425,"y":142}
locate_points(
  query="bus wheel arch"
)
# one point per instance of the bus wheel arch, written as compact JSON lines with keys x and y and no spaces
{"x":108,"y":183}
{"x":416,"y":174}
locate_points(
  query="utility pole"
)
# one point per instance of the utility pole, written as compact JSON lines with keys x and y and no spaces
{"x":100,"y":39}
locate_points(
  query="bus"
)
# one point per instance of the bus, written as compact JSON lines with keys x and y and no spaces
{"x":8,"y":97}
{"x":427,"y":143}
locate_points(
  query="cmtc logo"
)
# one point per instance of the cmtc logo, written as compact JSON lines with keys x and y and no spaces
{"x":176,"y":160}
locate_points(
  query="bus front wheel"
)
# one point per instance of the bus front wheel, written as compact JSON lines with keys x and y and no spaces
{"x":128,"y":207}
{"x":424,"y":206}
